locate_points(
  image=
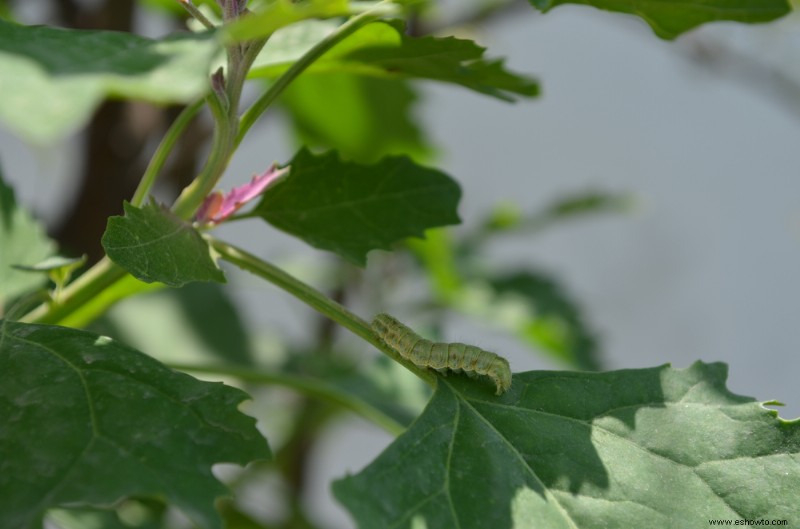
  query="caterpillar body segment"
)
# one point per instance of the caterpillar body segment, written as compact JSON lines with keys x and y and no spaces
{"x":441,"y":356}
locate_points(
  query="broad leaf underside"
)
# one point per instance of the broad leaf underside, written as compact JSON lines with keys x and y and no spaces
{"x":635,"y":448}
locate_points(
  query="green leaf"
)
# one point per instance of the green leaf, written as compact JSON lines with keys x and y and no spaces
{"x":656,"y":447}
{"x":382,"y":49}
{"x":438,"y":258}
{"x":670,"y":18}
{"x":174,"y":7}
{"x":90,"y":421}
{"x":364,"y":118}
{"x":280,"y":13}
{"x":54,"y":78}
{"x":507,"y":217}
{"x":554,"y":323}
{"x":55,"y":263}
{"x":290,"y":43}
{"x":23,"y":242}
{"x":155,"y":245}
{"x":58,"y":268}
{"x":351,"y":209}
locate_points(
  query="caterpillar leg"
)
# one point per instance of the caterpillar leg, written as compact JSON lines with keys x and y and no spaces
{"x":500,"y":373}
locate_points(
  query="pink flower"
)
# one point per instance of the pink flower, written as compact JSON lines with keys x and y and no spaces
{"x":216,"y":208}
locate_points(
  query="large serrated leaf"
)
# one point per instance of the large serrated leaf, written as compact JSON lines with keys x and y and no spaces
{"x":656,"y":447}
{"x":350,"y":209}
{"x":22,"y":242}
{"x":54,"y":78}
{"x":154,"y":245}
{"x":87,"y":420}
{"x":670,"y":18}
{"x":382,"y":49}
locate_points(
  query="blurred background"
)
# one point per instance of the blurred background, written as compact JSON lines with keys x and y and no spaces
{"x":646,"y":205}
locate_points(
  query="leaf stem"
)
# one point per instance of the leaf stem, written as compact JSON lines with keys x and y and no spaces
{"x":196,"y":13}
{"x":303,"y":385}
{"x":164,"y":149}
{"x":314,"y":298}
{"x":281,"y":83}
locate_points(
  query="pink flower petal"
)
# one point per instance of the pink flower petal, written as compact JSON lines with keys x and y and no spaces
{"x":217,"y":208}
{"x":209,"y":208}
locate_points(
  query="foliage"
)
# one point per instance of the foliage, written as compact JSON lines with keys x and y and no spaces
{"x":23,"y":242}
{"x":55,"y":78}
{"x":351,"y":209}
{"x":154,"y":245}
{"x":91,"y":421}
{"x":94,"y":433}
{"x":562,"y":449}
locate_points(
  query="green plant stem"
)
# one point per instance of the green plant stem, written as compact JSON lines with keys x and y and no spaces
{"x":314,"y":298}
{"x":303,"y":385}
{"x":228,"y":133}
{"x":281,"y":83}
{"x":105,"y":273}
{"x":196,"y":13}
{"x":164,"y":149}
{"x":222,"y":148}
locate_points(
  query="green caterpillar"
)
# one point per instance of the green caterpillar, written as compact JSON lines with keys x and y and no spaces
{"x":441,"y":356}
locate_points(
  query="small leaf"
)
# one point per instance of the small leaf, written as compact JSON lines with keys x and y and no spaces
{"x":154,"y":245}
{"x":656,"y":447}
{"x":58,"y":268}
{"x":555,"y":323}
{"x":54,"y":78}
{"x":90,"y":421}
{"x":22,"y":242}
{"x":670,"y":18}
{"x":507,"y":217}
{"x":54,"y":263}
{"x":351,"y":209}
{"x":382,"y":49}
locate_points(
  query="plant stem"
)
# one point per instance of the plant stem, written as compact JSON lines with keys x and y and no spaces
{"x":196,"y":13}
{"x":164,"y":149}
{"x":303,"y":385}
{"x":316,"y":299}
{"x":221,"y":151}
{"x":227,"y":135}
{"x":281,"y":83}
